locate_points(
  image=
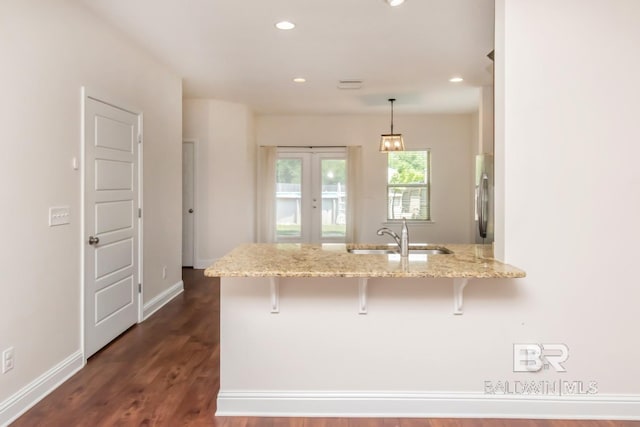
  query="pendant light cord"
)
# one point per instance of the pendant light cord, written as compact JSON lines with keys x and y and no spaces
{"x":391,"y":101}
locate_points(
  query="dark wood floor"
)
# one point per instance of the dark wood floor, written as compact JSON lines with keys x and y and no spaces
{"x":165,"y":372}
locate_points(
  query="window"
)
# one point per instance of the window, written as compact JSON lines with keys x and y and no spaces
{"x":408,"y":185}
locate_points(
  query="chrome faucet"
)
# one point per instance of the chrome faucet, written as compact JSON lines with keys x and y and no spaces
{"x":402,"y":241}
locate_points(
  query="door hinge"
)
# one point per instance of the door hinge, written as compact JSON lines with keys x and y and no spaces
{"x":139,"y":212}
{"x":139,"y":138}
{"x":139,"y":288}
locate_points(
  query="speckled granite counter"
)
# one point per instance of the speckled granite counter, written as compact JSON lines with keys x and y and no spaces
{"x":333,"y":260}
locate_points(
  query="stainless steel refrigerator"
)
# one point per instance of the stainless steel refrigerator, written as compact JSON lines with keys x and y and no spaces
{"x":484,"y":199}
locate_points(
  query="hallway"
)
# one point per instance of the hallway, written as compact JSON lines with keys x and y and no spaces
{"x":163,"y":371}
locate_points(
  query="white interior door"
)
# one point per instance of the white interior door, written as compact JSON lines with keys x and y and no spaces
{"x":188,"y":213}
{"x":110,"y":222}
{"x":311,"y":195}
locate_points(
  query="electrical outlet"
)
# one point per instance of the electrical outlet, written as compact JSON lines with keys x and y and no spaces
{"x":164,"y":272}
{"x":7,"y":360}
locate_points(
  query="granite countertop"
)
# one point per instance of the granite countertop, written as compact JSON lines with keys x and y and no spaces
{"x":333,"y":260}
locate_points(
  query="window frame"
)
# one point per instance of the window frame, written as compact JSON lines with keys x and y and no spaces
{"x":427,"y":186}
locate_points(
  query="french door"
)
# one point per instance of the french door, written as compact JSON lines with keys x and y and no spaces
{"x":311,"y":195}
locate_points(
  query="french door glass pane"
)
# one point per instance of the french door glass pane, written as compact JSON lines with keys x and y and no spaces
{"x":288,"y":198}
{"x":333,"y":192}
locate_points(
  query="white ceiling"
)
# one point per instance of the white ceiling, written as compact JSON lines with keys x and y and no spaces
{"x":230,"y":50}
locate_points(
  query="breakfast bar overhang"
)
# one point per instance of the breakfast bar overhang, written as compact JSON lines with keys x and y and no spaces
{"x":315,"y":329}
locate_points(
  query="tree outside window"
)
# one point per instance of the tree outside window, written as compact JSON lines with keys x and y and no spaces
{"x":408,"y":185}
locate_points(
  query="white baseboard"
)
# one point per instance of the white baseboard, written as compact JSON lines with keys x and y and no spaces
{"x":422,"y":405}
{"x":203,"y":263}
{"x":36,"y":390}
{"x":157,"y":302}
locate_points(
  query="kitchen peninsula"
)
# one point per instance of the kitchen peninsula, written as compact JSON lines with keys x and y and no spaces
{"x":334,"y":260}
{"x":301,"y":325}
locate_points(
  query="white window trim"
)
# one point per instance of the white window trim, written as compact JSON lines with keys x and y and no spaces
{"x":428,"y":185}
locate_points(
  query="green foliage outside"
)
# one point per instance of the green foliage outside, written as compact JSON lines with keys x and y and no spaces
{"x":290,"y":230}
{"x":333,"y":172}
{"x":407,"y":167}
{"x":288,"y":171}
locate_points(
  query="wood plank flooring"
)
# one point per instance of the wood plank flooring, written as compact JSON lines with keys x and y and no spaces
{"x":165,"y":372}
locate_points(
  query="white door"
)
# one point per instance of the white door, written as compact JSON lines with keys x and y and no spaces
{"x":110,"y":222}
{"x":311,"y":195}
{"x":188,"y":159}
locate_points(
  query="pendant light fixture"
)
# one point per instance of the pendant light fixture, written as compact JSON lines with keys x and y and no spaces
{"x":391,"y":141}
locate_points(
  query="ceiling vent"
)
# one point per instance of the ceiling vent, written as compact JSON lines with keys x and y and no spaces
{"x":350,"y":84}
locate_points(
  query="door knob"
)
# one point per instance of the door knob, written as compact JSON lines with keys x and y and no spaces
{"x":190,"y":210}
{"x":94,"y":240}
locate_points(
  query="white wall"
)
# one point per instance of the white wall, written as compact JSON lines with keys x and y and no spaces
{"x":450,"y":138}
{"x":50,"y":50}
{"x":225,"y":167}
{"x":570,"y":183}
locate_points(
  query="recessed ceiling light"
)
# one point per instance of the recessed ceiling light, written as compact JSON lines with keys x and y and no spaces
{"x":394,"y":3}
{"x":299,"y":80}
{"x":456,"y":79}
{"x":285,"y":25}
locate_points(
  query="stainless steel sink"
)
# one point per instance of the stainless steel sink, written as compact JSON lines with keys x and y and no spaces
{"x":430,"y":251}
{"x":358,"y":251}
{"x":424,"y":250}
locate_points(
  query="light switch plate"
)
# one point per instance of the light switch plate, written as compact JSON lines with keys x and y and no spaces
{"x":59,"y":216}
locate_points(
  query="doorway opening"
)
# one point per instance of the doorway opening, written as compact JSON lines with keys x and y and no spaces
{"x":311,"y":195}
